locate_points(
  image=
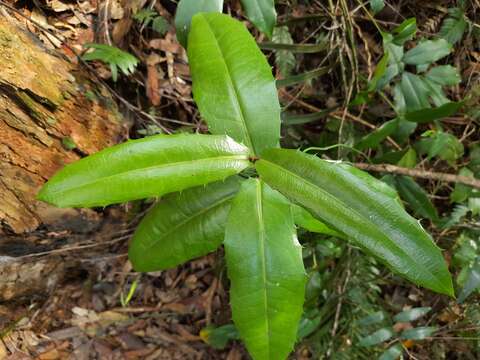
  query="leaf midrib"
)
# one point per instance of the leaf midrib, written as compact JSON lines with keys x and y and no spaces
{"x":380,"y":230}
{"x":179,"y":163}
{"x":237,"y":101}
{"x":259,"y":206}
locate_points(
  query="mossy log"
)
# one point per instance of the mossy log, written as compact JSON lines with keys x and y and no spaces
{"x":51,"y":114}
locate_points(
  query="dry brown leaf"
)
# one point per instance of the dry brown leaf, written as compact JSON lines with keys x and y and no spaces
{"x":58,"y":6}
{"x":152,"y":85}
{"x":50,"y":355}
{"x":115,"y":10}
{"x":3,"y":350}
{"x":121,"y":29}
{"x":166,"y":45}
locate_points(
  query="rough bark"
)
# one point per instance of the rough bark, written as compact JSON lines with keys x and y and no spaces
{"x":46,"y":105}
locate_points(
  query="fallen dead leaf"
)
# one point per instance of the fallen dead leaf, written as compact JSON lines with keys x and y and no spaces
{"x":152,"y":85}
{"x":3,"y":350}
{"x":50,"y":355}
{"x":58,"y":6}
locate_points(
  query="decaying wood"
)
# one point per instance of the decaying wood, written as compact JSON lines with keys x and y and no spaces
{"x":45,"y":104}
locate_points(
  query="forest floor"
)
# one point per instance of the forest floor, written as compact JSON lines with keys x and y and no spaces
{"x":105,"y":310}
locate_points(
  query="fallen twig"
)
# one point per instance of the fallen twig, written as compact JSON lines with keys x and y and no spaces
{"x":423,"y":174}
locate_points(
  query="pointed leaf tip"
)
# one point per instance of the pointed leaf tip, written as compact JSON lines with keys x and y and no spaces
{"x":361,"y":207}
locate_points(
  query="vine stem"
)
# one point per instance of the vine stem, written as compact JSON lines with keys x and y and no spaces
{"x":423,"y":174}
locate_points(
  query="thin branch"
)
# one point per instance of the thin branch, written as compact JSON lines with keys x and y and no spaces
{"x":423,"y":174}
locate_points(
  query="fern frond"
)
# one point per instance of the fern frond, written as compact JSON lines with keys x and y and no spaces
{"x":112,"y":56}
{"x":284,"y":59}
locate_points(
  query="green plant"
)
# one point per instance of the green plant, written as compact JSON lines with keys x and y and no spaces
{"x":417,"y":96}
{"x":260,"y":12}
{"x":388,"y":332}
{"x":454,"y":25}
{"x":148,"y":17}
{"x":254,"y":214}
{"x":112,"y":56}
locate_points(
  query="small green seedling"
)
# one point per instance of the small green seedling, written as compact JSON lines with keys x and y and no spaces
{"x":112,"y":56}
{"x":238,"y":188}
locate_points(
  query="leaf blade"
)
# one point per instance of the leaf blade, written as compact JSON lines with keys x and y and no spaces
{"x":427,"y":52}
{"x":265,"y":267}
{"x":416,"y":197}
{"x":262,"y":14}
{"x":139,"y":169}
{"x":186,"y":9}
{"x":182,"y":226}
{"x":362,"y":208}
{"x":242,"y":102}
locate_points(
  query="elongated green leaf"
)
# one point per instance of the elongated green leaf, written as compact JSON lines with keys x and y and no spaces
{"x":427,"y":52}
{"x":295,"y":48}
{"x":377,"y":337}
{"x":374,"y":318}
{"x":395,"y":53}
{"x":472,"y":283}
{"x":405,"y":31}
{"x":361,"y":207}
{"x":444,"y":75}
{"x":416,"y":197}
{"x":428,"y":115}
{"x":415,"y":92}
{"x":412,"y":314}
{"x":262,"y":14}
{"x":300,"y":78}
{"x":143,"y":168}
{"x":183,"y":226}
{"x":186,"y":9}
{"x":379,"y":73}
{"x":374,"y":139}
{"x":233,"y":84}
{"x":392,"y":353}
{"x":265,"y":267}
{"x":305,"y":220}
{"x":299,"y":119}
{"x":308,"y":325}
{"x":418,"y":333}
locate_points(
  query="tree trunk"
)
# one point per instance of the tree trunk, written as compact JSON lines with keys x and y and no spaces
{"x":50,"y":115}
